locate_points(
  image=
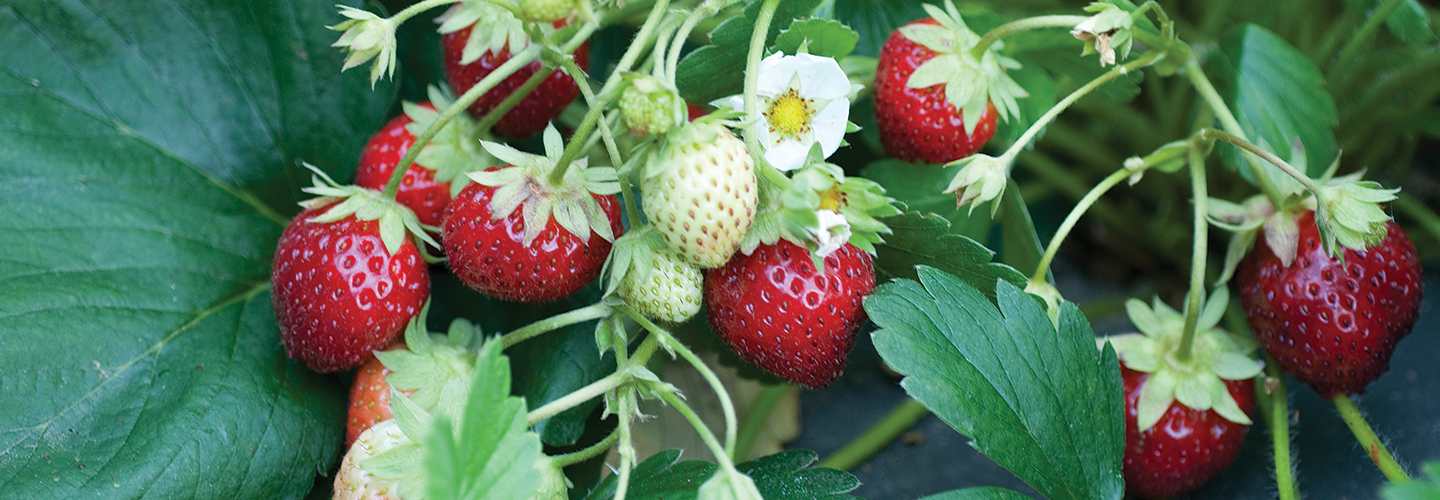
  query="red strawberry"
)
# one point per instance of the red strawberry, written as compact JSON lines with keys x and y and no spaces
{"x":534,"y":111}
{"x":369,"y":397}
{"x":920,"y":124}
{"x":773,"y":309}
{"x":339,"y":293}
{"x":1328,"y":323}
{"x":1186,"y":447}
{"x":491,"y":255}
{"x":418,"y":190}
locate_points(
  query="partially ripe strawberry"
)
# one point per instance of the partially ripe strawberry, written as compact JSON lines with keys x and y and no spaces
{"x":339,"y":292}
{"x":1186,"y":447}
{"x":418,"y":190}
{"x":700,"y":192}
{"x":369,"y":397}
{"x":920,"y":124}
{"x":514,"y":236}
{"x":479,"y":37}
{"x":776,"y":311}
{"x":1330,"y":323}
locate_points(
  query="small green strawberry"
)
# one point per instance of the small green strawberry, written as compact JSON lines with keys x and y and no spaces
{"x":654,"y":279}
{"x":700,"y":192}
{"x":649,"y":107}
{"x":545,"y":11}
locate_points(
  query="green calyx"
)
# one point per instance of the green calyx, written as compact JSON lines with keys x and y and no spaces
{"x":656,"y":281}
{"x":1106,"y":33}
{"x":823,"y":209}
{"x":969,"y":81}
{"x":982,"y":179}
{"x":455,"y":149}
{"x":1347,"y":211}
{"x":1198,"y":382}
{"x":499,"y":31}
{"x":437,"y":368}
{"x":525,"y":184}
{"x":365,"y":204}
{"x":366,"y":36}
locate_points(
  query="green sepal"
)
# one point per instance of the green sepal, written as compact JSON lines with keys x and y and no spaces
{"x":453,"y":151}
{"x":436,"y":368}
{"x":395,"y":219}
{"x":367,"y":36}
{"x":1198,"y":383}
{"x":969,"y":82}
{"x":501,"y":29}
{"x":632,"y":253}
{"x":525,"y":184}
{"x":982,"y":178}
{"x":1348,"y":212}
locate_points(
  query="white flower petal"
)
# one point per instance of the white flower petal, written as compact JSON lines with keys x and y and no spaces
{"x":829,"y":125}
{"x":775,"y":74}
{"x":788,"y":155}
{"x":834,"y":232}
{"x":821,"y":77}
{"x":735,"y":102}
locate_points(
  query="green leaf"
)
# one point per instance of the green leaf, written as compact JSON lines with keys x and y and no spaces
{"x":983,"y":493}
{"x":822,"y":37}
{"x":926,"y":240}
{"x":1044,"y":404}
{"x":782,"y":476}
{"x":149,"y":152}
{"x":1411,"y":22}
{"x":875,"y":20}
{"x":1424,"y":488}
{"x":922,"y":188}
{"x":493,"y":456}
{"x":1279,"y":97}
{"x":718,"y":70}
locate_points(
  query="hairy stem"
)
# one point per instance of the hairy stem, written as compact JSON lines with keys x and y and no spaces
{"x":721,"y":456}
{"x":1369,"y":441}
{"x":1230,"y":124}
{"x":1279,"y":413}
{"x":752,"y":79}
{"x":593,"y":311}
{"x":568,"y":401}
{"x":589,"y":452}
{"x":758,"y":416}
{"x":668,"y":340}
{"x":519,"y":60}
{"x":494,"y":115}
{"x":1195,"y":299}
{"x":1023,"y":25}
{"x":1299,"y":176}
{"x":1070,"y":220}
{"x":877,"y":437}
{"x":413,"y":10}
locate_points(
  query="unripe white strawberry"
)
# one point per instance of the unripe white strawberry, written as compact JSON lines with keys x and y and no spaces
{"x":700,"y":192}
{"x":353,"y":482}
{"x":669,"y":291}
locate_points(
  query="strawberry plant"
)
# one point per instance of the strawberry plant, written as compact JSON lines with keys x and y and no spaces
{"x":649,"y":230}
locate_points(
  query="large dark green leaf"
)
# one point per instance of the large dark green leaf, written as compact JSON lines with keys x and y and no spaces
{"x":1044,"y":403}
{"x":146,"y":156}
{"x":928,"y":240}
{"x":783,"y":476}
{"x":718,"y":70}
{"x":985,"y":493}
{"x":1279,"y":97}
{"x":876,"y":19}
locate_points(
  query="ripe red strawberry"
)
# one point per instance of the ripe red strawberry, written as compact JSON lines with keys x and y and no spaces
{"x":920,"y":124}
{"x":369,"y":397}
{"x":491,"y":255}
{"x":1328,"y":323}
{"x":543,"y":104}
{"x":339,"y":293}
{"x":418,"y":190}
{"x":1186,"y":447}
{"x":774,"y":310}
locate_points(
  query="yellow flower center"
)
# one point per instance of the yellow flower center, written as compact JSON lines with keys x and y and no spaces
{"x":831,"y":199}
{"x":789,"y":114}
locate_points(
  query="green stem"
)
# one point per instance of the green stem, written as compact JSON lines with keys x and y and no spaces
{"x":1299,"y":176}
{"x":1230,"y":124}
{"x":632,"y":213}
{"x":1024,"y":140}
{"x":1353,"y":45}
{"x":589,"y":452}
{"x":593,"y":311}
{"x":520,"y":93}
{"x":1074,"y":217}
{"x":758,"y":416}
{"x":1368,"y":440}
{"x":516,"y":62}
{"x":752,"y":79}
{"x":1195,"y":299}
{"x":877,"y":437}
{"x":1023,"y":25}
{"x":597,"y":107}
{"x":721,"y":456}
{"x":668,"y":340}
{"x":581,"y":395}
{"x":706,"y":9}
{"x":1279,"y":413}
{"x":413,"y":10}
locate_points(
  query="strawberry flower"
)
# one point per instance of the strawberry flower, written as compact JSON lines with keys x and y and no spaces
{"x":1105,"y":32}
{"x":367,"y":36}
{"x":804,"y":101}
{"x":982,"y":179}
